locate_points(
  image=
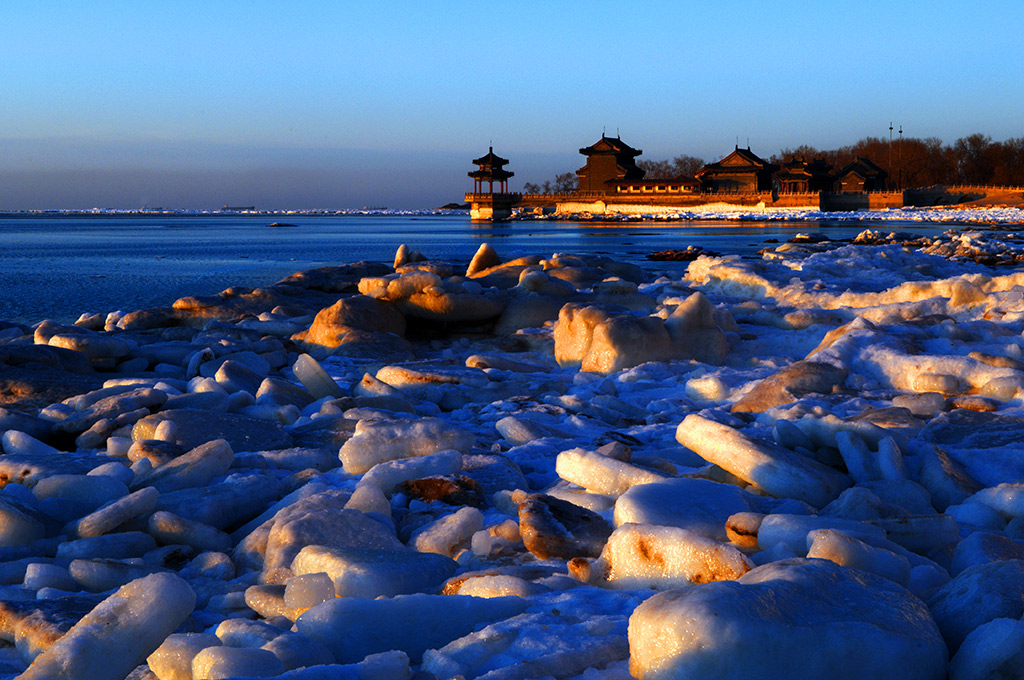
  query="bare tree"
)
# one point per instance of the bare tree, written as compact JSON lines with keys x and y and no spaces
{"x":687,"y":166}
{"x":567,"y":182}
{"x":656,"y":169}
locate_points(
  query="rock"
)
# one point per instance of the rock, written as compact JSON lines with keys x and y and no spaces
{"x":778,"y":471}
{"x":555,"y":529}
{"x":461,"y":490}
{"x":353,"y":627}
{"x":644,"y":556}
{"x":119,"y":633}
{"x":787,"y":619}
{"x":371,"y":573}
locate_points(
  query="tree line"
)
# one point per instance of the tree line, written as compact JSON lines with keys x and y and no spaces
{"x":910,"y":162}
{"x":914,"y":162}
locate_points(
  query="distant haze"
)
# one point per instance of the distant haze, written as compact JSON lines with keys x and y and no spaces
{"x":338,"y":105}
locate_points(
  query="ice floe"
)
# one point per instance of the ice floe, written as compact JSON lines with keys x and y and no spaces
{"x":547,"y":466}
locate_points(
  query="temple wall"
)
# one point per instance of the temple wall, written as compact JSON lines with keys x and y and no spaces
{"x":876,"y":200}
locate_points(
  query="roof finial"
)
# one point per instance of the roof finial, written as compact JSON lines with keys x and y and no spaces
{"x":617,"y":135}
{"x":604,"y":129}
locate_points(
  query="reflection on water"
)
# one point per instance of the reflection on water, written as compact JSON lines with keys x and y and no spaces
{"x":56,"y":266}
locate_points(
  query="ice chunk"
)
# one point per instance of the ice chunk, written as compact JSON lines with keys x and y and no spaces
{"x":644,"y":556}
{"x":992,"y":650}
{"x":113,"y":515}
{"x":378,"y":441}
{"x":792,"y":530}
{"x":307,"y":589}
{"x":354,"y":627}
{"x":172,"y":660}
{"x":366,"y":572}
{"x":214,"y":663}
{"x":830,"y":544}
{"x":119,"y":633}
{"x":976,"y":596}
{"x":780,"y":472}
{"x":786,"y":620}
{"x":699,"y":505}
{"x":388,"y":475}
{"x":601,"y":474}
{"x":444,"y":535}
{"x":198,"y":467}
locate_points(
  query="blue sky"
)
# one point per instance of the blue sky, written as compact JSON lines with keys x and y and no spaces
{"x":344,"y":104}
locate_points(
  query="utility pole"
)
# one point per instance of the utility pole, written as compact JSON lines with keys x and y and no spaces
{"x":900,"y":186}
{"x":889,"y":180}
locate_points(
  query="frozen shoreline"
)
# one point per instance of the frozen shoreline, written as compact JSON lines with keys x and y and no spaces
{"x":599,"y":458}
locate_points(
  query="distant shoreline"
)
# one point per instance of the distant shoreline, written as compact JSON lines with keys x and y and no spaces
{"x":938,"y":214}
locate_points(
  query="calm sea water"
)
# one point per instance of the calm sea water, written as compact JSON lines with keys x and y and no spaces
{"x":57,"y":266}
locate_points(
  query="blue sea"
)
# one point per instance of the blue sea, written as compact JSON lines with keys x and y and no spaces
{"x":57,"y":265}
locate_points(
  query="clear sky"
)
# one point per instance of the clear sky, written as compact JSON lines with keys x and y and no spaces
{"x":346,"y":103}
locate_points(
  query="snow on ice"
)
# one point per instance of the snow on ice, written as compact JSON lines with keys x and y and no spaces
{"x":547,"y":467}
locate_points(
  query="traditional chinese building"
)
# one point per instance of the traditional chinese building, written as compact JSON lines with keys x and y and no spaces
{"x":797,"y":176}
{"x":741,"y":172}
{"x":860,"y":176}
{"x":608,"y":160}
{"x":491,"y":169}
{"x":490,"y":204}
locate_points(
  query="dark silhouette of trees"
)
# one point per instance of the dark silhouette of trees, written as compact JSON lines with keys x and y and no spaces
{"x":566,"y":182}
{"x":974,"y":159}
{"x":682,"y":165}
